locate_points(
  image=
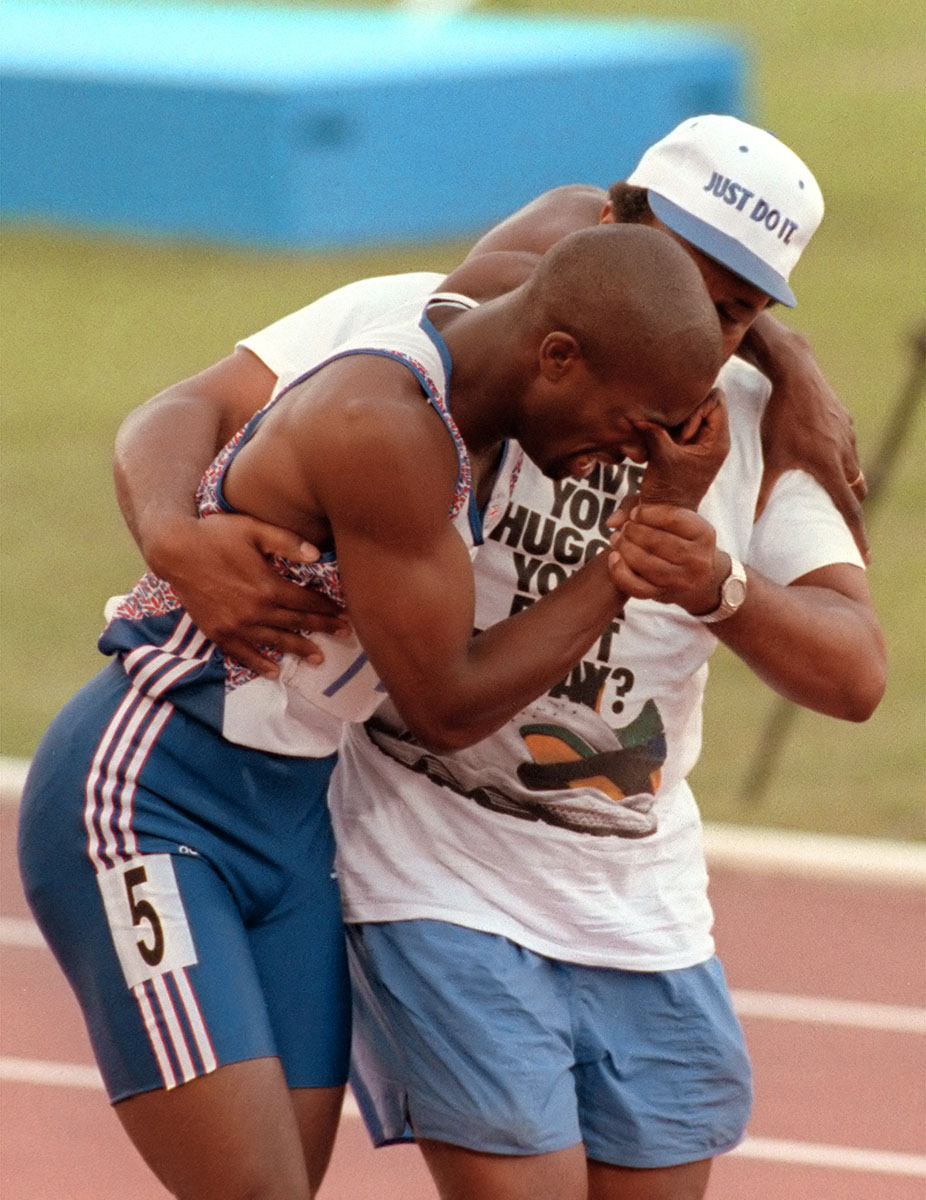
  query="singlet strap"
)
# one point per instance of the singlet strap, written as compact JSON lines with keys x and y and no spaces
{"x":456,"y":298}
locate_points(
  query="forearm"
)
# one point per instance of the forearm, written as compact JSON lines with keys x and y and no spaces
{"x":452,"y":688}
{"x":160,"y":454}
{"x":813,"y":645}
{"x":164,"y":446}
{"x":510,"y":664}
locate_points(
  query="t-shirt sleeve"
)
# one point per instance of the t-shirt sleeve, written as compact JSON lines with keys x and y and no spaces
{"x":799,"y":531}
{"x":297,"y":341}
{"x":282,"y":345}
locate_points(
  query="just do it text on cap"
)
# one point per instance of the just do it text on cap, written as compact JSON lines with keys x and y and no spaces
{"x":736,"y":193}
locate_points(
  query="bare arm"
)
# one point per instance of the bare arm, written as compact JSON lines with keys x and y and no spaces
{"x":504,"y":257}
{"x":163,"y":447}
{"x":805,"y":425}
{"x":409,"y":581}
{"x":217,"y":567}
{"x":537,"y":226}
{"x":817,"y":642}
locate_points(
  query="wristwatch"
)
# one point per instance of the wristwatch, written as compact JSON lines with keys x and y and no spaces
{"x":732,"y":594}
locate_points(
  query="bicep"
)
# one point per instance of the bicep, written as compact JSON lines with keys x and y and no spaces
{"x":504,"y":257}
{"x":406,"y":571}
{"x":411,"y":599}
{"x":842,"y":579}
{"x":845,"y":611}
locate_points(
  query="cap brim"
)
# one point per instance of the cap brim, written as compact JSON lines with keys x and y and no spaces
{"x":722,"y":248}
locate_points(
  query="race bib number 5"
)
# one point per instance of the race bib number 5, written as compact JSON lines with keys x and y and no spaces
{"x":146,"y":917}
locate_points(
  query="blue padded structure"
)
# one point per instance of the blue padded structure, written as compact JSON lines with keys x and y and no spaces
{"x":330,"y":127}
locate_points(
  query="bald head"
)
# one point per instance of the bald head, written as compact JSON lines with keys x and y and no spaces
{"x":634,"y":301}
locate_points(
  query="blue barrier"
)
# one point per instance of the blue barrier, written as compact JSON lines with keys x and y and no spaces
{"x":328,"y":127}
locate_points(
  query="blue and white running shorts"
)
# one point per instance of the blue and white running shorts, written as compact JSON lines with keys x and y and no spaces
{"x":467,"y":1038}
{"x":186,"y":887}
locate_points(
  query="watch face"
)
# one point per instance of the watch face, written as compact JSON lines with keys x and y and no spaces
{"x":734,"y":592}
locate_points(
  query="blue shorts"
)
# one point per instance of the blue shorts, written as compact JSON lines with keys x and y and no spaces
{"x":186,"y":887}
{"x":467,"y":1038}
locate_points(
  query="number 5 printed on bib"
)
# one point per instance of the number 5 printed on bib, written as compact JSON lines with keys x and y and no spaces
{"x":146,"y":917}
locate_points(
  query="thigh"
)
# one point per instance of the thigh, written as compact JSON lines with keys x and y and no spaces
{"x":462,"y":1035}
{"x":161,"y":965}
{"x":262,"y":821}
{"x":662,"y":1073}
{"x":461,"y":1174}
{"x":687,"y":1181}
{"x":230,"y":1135}
{"x":318,"y":1114}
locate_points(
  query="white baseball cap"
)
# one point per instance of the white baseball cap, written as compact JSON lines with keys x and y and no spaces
{"x":736,"y":193}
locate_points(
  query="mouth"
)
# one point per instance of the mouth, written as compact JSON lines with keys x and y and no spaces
{"x":580,"y":466}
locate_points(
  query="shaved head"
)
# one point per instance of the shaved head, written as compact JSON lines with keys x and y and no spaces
{"x":634,"y":301}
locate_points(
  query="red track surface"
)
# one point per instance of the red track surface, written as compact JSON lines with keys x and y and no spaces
{"x":818,"y":1083}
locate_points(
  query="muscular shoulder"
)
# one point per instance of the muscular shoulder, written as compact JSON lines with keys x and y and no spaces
{"x":376,"y":448}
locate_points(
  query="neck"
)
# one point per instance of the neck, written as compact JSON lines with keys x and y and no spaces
{"x":487,"y":379}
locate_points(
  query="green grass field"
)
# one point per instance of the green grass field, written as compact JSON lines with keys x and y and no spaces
{"x":91,"y":326}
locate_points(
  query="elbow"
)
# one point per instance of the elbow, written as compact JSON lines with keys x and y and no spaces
{"x":866,"y":699}
{"x":861,"y":698}
{"x":447,"y":716}
{"x":444,"y":729}
{"x":443,"y":737}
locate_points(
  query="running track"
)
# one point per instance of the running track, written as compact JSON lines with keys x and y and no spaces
{"x":823,"y":942}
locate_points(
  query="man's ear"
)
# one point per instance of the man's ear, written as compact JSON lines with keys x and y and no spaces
{"x":608,"y":216}
{"x":559,"y":354}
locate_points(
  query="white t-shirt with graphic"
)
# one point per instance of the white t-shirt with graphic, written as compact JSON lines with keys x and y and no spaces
{"x":572,"y":830}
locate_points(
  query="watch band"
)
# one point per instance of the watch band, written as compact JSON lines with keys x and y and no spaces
{"x":732,"y":594}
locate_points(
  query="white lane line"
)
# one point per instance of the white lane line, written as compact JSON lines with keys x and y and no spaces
{"x":840,"y":1158}
{"x":435,"y":8}
{"x":12,"y":777}
{"x":77,"y":1075}
{"x":51,"y":1074}
{"x":819,"y":1010}
{"x":817,"y":856}
{"x":20,"y":931}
